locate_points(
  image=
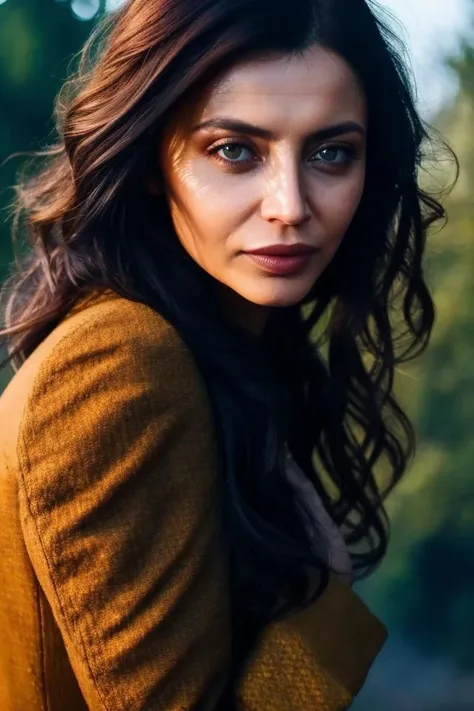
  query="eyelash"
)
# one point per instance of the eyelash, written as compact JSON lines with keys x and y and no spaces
{"x":236,"y":165}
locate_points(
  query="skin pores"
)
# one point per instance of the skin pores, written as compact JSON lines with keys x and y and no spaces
{"x":274,"y":152}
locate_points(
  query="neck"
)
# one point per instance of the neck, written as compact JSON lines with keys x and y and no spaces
{"x":245,"y":314}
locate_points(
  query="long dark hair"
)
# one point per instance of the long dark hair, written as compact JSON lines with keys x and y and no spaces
{"x":321,"y":377}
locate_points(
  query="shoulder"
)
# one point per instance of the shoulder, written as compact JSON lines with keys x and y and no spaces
{"x":109,"y":363}
{"x":115,"y":326}
{"x":108,"y":342}
{"x":117,"y":389}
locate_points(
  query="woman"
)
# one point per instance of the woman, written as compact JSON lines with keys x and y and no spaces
{"x":225,"y":269}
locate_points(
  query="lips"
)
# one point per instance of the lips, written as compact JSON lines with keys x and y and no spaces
{"x":280,"y":265}
{"x":283,"y":250}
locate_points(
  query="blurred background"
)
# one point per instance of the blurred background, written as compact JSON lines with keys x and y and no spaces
{"x":424,"y":590}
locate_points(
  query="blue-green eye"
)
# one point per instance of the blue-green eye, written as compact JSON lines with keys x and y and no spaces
{"x":334,"y":155}
{"x":234,"y":153}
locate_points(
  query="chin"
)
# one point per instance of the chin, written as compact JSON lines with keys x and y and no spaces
{"x":289,"y":296}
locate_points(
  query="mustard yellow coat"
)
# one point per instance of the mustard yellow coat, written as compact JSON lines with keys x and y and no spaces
{"x":114,"y":587}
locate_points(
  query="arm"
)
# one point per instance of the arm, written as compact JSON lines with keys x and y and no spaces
{"x":119,"y":509}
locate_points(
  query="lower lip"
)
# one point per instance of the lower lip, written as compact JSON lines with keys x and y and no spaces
{"x":280,"y":265}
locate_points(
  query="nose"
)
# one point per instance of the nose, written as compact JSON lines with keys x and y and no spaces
{"x":285,"y":198}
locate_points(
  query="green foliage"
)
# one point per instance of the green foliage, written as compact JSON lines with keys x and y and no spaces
{"x":38,"y":39}
{"x":425,"y":587}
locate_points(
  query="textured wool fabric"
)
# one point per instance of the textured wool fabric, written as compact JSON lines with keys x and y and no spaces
{"x":114,"y":571}
{"x":287,"y":677}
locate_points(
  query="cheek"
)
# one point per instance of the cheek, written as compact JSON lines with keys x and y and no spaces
{"x":208,"y":209}
{"x":337,"y":205}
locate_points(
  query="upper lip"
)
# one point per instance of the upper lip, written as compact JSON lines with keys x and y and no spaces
{"x":282,"y":250}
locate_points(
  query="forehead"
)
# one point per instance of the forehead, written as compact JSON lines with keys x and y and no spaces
{"x":316,"y":86}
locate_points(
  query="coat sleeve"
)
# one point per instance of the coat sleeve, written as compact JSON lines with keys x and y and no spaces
{"x":119,"y":511}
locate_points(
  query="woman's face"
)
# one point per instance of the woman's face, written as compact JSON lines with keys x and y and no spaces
{"x":273,"y":153}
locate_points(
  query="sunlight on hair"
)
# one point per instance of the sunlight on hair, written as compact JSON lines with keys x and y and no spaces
{"x":85,"y":9}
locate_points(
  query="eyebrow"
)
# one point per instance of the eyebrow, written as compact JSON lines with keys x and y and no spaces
{"x":251,"y":130}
